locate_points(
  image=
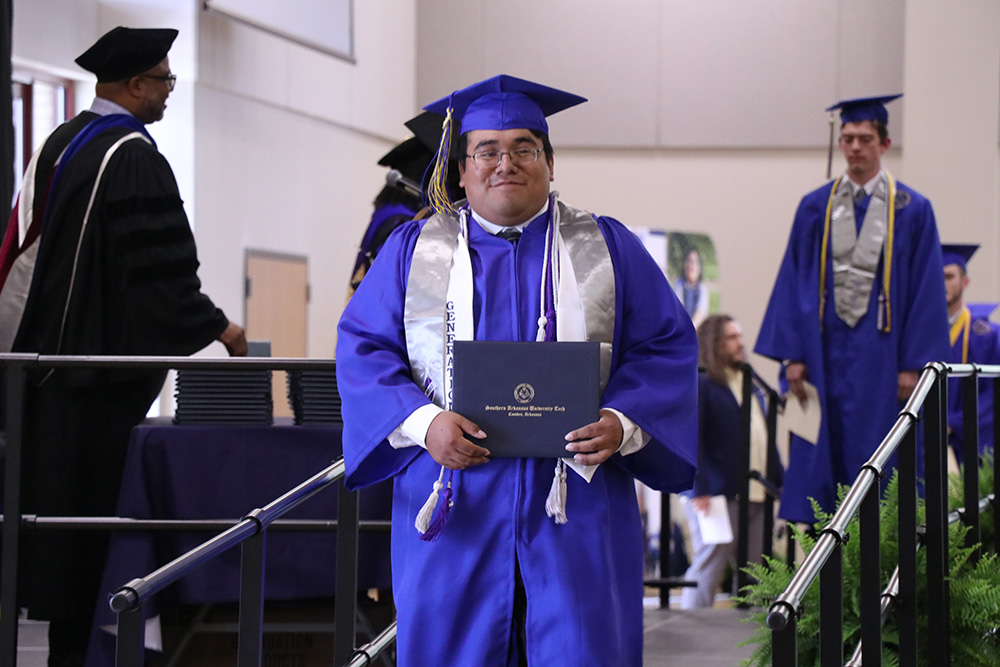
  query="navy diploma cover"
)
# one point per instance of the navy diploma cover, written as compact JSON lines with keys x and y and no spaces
{"x":527,"y":396}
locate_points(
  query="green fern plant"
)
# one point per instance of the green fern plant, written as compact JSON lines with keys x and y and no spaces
{"x":975,"y":590}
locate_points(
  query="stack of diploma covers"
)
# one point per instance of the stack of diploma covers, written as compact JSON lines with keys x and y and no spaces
{"x":224,"y":396}
{"x":527,"y":396}
{"x":314,"y":397}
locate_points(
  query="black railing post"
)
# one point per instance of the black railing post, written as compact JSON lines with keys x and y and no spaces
{"x":743,"y":506}
{"x":831,"y":615}
{"x":666,"y":543}
{"x":784,"y":652}
{"x":251,"y":625}
{"x":772,"y":471}
{"x":347,"y":574}
{"x":906,"y":606}
{"x":935,"y":440}
{"x":970,"y":452}
{"x":14,"y":377}
{"x":130,"y":645}
{"x":871,"y":579}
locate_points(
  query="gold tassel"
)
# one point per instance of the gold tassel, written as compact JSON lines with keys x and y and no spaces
{"x":437,"y":193}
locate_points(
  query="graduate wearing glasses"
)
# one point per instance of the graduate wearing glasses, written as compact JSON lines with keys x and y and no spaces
{"x":857,"y":309}
{"x":513,"y":561}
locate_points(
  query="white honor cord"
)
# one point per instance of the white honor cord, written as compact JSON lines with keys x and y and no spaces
{"x":542,"y":320}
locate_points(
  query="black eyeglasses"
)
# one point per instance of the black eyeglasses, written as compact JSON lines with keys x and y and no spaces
{"x":170,"y":79}
{"x":519,"y":156}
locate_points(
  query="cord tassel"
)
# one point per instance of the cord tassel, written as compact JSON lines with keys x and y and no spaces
{"x":436,"y":526}
{"x":555,"y":504}
{"x":440,"y":519}
{"x":423,"y":520}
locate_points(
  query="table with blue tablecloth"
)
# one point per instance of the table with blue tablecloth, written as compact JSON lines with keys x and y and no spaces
{"x":224,"y":472}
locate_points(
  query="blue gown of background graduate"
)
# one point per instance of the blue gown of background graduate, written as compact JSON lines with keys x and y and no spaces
{"x":984,"y":348}
{"x":855,"y":370}
{"x":583,"y":579}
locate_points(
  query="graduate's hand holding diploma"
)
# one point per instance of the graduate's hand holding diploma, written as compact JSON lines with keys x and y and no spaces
{"x":596,"y":442}
{"x":447,"y":444}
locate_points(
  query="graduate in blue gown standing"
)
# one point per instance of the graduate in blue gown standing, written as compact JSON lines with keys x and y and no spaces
{"x":511,"y":561}
{"x":856,"y":309}
{"x":974,"y":340}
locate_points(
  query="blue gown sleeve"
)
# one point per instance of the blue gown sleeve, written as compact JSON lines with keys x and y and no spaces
{"x":373,"y":373}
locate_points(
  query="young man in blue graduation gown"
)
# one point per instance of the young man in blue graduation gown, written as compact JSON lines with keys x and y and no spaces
{"x":502,"y":583}
{"x":974,"y":340}
{"x":856,"y":309}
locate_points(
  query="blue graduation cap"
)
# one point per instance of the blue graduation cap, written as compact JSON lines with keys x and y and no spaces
{"x":503,"y":103}
{"x":122,"y":53}
{"x":864,"y":108}
{"x":958,"y":253}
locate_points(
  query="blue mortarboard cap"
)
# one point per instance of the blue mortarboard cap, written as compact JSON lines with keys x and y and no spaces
{"x":957,"y":253}
{"x":505,"y":103}
{"x":499,"y":103}
{"x":982,"y":311}
{"x":122,"y":52}
{"x":864,"y":108}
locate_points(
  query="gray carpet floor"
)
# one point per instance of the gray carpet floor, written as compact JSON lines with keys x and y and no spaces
{"x":695,"y":638}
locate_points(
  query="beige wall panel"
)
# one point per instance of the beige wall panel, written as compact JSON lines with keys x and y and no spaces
{"x":754,"y":73}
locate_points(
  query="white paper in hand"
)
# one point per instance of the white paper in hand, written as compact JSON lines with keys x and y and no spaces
{"x":714,"y":525}
{"x":803,"y":419}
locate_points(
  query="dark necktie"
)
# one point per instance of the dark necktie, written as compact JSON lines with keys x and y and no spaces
{"x":509,"y":234}
{"x":859,"y":194}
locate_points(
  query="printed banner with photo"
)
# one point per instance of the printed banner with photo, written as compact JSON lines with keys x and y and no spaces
{"x":689,"y":261}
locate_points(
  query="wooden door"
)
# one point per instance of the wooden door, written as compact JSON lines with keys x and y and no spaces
{"x":277,"y":297}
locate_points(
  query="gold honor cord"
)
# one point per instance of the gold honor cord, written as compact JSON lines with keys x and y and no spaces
{"x":438,"y":189}
{"x":824,"y":248}
{"x":889,"y":237}
{"x":962,"y":326}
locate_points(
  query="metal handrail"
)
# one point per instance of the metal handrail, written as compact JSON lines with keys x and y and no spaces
{"x":788,"y":603}
{"x":249,"y":532}
{"x":365,"y":655}
{"x":38,"y":361}
{"x":863,"y":497}
{"x":135,"y":592}
{"x":128,"y":524}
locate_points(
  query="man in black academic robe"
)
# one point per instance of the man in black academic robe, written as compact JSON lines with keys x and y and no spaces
{"x":115,"y":274}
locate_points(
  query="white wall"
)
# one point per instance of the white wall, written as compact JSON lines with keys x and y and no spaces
{"x":53,"y":32}
{"x":287,"y":144}
{"x":953,"y":126}
{"x":672,"y":73}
